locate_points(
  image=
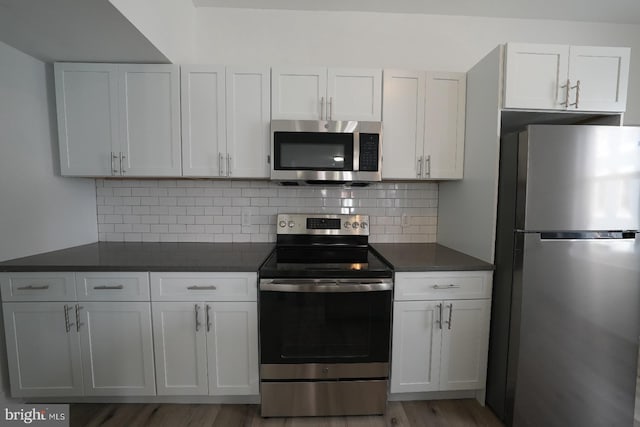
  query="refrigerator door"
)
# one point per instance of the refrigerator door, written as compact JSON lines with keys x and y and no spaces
{"x":580,"y":321}
{"x":579,"y":178}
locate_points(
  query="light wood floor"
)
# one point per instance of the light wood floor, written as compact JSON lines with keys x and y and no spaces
{"x":435,"y":413}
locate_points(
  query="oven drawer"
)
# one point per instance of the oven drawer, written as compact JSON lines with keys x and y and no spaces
{"x":411,"y":286}
{"x":204,"y":286}
{"x":323,"y":398}
{"x":55,"y":286}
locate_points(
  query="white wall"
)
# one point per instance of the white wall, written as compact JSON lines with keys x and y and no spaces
{"x":241,"y":36}
{"x":39,"y":210}
{"x":168,"y":24}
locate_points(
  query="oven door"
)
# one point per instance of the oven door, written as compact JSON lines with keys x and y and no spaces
{"x":325,"y":322}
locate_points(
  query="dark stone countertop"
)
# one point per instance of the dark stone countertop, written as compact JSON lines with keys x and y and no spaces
{"x":427,"y":257}
{"x":118,"y":256}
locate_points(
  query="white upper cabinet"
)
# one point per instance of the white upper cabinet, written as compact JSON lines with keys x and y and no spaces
{"x":318,"y":93}
{"x":248,"y":122}
{"x":118,"y":120}
{"x":424,"y":119}
{"x":203,"y":119}
{"x":561,"y":77}
{"x":225,"y":121}
{"x":87,"y":104}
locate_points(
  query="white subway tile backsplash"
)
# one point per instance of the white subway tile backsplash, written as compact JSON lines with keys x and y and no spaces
{"x":211,"y":210}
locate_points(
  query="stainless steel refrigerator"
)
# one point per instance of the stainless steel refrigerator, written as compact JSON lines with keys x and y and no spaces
{"x":566,"y":299}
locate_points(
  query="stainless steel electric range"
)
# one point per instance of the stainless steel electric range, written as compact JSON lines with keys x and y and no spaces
{"x":325,"y":318}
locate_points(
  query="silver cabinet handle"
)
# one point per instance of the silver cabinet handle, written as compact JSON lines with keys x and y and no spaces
{"x":219,"y":164}
{"x":228,"y":164}
{"x":567,"y":88}
{"x":331,"y":108}
{"x":67,"y":325}
{"x":33,"y":288}
{"x":577,"y":88}
{"x":78,"y":308}
{"x":197,"y":309}
{"x":114,"y":169}
{"x":427,"y":166}
{"x":321,"y":108}
{"x":202,"y":288}
{"x":419,"y":167}
{"x":439,"y":320}
{"x":208,"y":318}
{"x":122,"y":169}
{"x":450,"y":314}
{"x":450,"y":286}
{"x":103,"y":287}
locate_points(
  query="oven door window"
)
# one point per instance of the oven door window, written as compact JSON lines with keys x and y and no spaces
{"x":297,"y":327}
{"x":313,"y":151}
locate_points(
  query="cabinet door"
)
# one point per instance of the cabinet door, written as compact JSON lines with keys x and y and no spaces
{"x":354,"y":94}
{"x":415,"y":354}
{"x":603,"y":73}
{"x":248,"y":122}
{"x":180,"y":341}
{"x":465,"y":341}
{"x":232,"y":346}
{"x":444,"y":125}
{"x":403,"y":106}
{"x":87,"y":108}
{"x":150,"y":120}
{"x":535,"y":75}
{"x":117,"y":348}
{"x":298,"y":93}
{"x":43,"y":350}
{"x":203,"y":119}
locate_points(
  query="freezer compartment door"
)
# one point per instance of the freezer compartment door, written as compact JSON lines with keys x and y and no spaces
{"x":580,"y":178}
{"x":579,"y":330}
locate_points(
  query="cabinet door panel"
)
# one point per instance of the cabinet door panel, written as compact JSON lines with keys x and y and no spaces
{"x":150,"y":120}
{"x":203,"y":119}
{"x":603,"y":73}
{"x":354,"y":94}
{"x":87,"y":108}
{"x":464,"y":344}
{"x":403,"y":106}
{"x":534,"y":76}
{"x":180,"y":350}
{"x":417,"y":334}
{"x":248,"y":123}
{"x":43,"y":357}
{"x":444,"y":125}
{"x":298,"y":93}
{"x":232,"y":345}
{"x":117,"y":348}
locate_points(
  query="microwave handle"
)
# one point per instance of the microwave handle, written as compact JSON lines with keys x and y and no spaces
{"x":322,"y":108}
{"x":331,"y":108}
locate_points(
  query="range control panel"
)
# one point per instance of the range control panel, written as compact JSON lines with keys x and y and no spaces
{"x":340,"y":225}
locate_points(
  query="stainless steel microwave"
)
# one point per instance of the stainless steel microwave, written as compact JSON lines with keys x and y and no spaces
{"x":326,"y":151}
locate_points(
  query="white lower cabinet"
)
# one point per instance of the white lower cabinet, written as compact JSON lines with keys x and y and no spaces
{"x":440,"y":342}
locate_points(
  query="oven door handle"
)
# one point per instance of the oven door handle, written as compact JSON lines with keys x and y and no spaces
{"x":326,"y":285}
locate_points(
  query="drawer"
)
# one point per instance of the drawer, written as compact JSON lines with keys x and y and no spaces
{"x":442,"y":285}
{"x":204,"y":286}
{"x":54,"y":286}
{"x":112,"y":286}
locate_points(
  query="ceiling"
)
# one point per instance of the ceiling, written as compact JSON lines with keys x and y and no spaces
{"x":74,"y":30}
{"x":612,"y":11}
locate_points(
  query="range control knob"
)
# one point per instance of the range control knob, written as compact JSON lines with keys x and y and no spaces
{"x":291,"y":224}
{"x":355,"y":225}
{"x":363,"y":225}
{"x":347,"y":225}
{"x":282,"y":224}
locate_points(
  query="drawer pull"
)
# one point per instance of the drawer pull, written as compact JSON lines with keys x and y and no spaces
{"x":33,"y":288}
{"x":103,"y":287}
{"x":451,"y":286}
{"x":202,"y":288}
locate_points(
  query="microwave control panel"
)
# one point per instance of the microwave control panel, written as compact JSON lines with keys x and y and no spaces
{"x":369,"y":151}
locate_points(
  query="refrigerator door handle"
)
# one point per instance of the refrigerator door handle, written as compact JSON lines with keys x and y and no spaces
{"x":584,"y":235}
